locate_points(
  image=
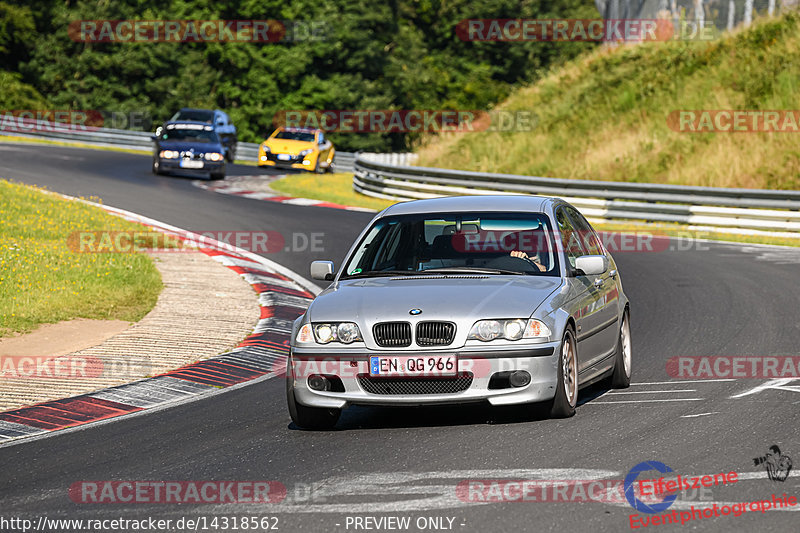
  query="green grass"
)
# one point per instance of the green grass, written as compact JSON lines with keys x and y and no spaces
{"x":336,"y":188}
{"x":43,"y":281}
{"x":604,"y":115}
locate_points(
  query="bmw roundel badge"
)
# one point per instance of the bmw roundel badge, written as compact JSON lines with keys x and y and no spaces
{"x":415,"y":312}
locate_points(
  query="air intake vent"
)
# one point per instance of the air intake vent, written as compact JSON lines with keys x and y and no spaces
{"x":389,"y":386}
{"x":435,"y":333}
{"x":392,"y":334}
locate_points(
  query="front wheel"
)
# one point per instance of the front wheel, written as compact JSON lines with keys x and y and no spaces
{"x":566,"y":397}
{"x":621,"y":378}
{"x":314,"y":418}
{"x":156,"y":167}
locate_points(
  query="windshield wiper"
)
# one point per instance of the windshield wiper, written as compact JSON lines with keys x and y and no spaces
{"x":473,"y":270}
{"x":382,"y":273}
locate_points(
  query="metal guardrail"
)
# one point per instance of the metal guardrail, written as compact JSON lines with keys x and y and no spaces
{"x":131,"y":140}
{"x":743,"y":211}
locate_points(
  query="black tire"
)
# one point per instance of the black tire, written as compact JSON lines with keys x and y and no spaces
{"x":313,"y":418}
{"x":332,"y":166}
{"x":318,"y":168}
{"x":621,"y":378}
{"x":230,"y":155}
{"x":157,"y":167}
{"x":563,"y":404}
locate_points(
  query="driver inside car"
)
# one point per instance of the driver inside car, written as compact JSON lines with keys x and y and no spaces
{"x":533,"y":259}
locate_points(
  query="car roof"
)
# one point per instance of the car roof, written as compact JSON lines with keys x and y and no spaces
{"x":451,"y":204}
{"x":205,"y":125}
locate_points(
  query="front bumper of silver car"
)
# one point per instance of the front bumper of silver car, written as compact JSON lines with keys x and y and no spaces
{"x":482,"y":376}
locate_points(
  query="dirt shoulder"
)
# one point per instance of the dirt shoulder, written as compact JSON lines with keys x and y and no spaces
{"x":204,"y":309}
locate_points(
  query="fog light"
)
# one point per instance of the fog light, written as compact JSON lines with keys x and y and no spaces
{"x":321,"y":383}
{"x":263,"y":158}
{"x":520,"y":378}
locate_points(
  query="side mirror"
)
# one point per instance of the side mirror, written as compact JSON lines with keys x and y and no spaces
{"x":322,"y":270}
{"x":592,"y":265}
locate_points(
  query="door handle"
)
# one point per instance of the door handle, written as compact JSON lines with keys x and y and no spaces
{"x":613,"y":274}
{"x":598,"y":282}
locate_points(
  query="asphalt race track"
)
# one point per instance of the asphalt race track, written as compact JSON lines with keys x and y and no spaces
{"x":709,"y":299}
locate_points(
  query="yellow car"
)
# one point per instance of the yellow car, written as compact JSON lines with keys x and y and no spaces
{"x":297,"y":148}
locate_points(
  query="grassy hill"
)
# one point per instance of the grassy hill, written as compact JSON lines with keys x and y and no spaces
{"x":604,"y":115}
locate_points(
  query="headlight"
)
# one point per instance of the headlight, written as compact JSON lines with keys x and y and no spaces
{"x":344,"y":332}
{"x":266,"y":148}
{"x":305,"y":152}
{"x":512,"y":329}
{"x":169,"y":154}
{"x":213,"y":156}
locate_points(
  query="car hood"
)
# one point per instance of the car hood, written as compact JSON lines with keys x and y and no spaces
{"x":183,"y":146}
{"x":288,"y":146}
{"x":440,"y":298}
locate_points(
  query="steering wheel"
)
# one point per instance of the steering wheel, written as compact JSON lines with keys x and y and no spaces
{"x":507,"y":262}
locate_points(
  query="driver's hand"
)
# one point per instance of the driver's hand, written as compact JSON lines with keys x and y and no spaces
{"x":522,"y":255}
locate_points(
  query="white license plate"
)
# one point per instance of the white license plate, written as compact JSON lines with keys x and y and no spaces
{"x":188,"y":163}
{"x":413,"y":365}
{"x":284,"y":157}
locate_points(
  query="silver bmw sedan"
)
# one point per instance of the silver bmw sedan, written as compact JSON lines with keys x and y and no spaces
{"x":499,"y":299}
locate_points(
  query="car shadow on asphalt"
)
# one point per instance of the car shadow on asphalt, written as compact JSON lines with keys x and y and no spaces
{"x":368,"y":417}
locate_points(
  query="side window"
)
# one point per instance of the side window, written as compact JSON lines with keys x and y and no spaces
{"x":569,"y":237}
{"x":585,"y":233}
{"x":321,"y":138}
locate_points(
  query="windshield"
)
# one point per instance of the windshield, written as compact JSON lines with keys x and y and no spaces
{"x":486,"y":243}
{"x":195,"y":115}
{"x":189,"y":135}
{"x":296,"y":136}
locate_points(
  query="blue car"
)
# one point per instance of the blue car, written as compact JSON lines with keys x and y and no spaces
{"x":188,"y":148}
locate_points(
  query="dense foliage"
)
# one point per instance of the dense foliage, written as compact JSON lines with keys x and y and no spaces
{"x":401,"y":54}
